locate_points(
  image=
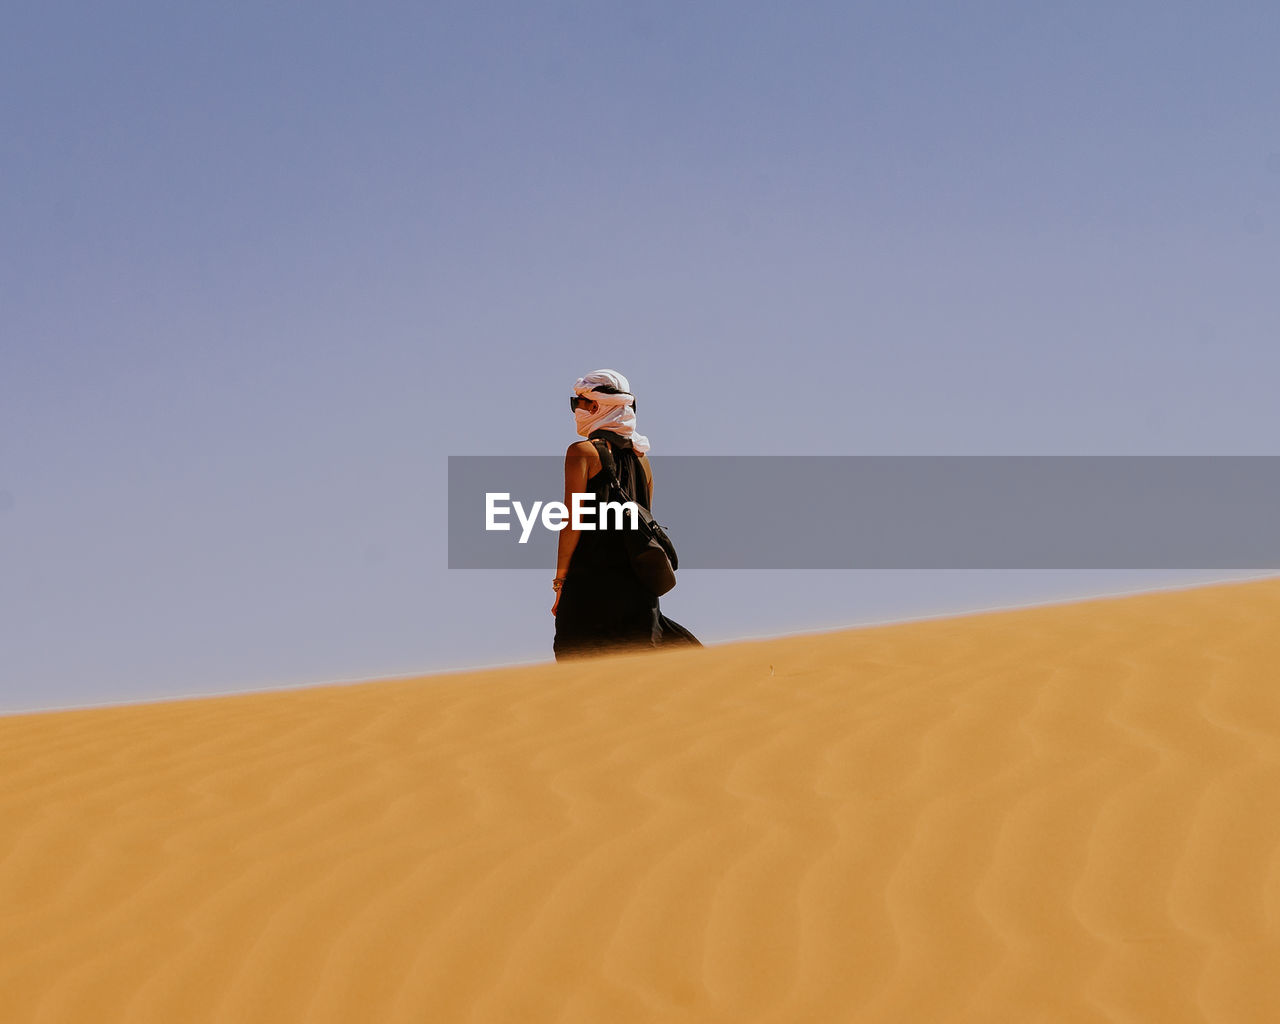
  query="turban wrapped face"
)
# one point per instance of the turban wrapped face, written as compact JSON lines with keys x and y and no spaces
{"x":615,"y":410}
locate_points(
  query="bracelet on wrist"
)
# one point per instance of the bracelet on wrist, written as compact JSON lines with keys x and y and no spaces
{"x":557,"y":583}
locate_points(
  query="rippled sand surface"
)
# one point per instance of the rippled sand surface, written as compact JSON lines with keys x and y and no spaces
{"x":1055,"y":814}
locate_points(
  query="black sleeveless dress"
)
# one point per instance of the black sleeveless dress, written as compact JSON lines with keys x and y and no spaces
{"x":603,"y":605}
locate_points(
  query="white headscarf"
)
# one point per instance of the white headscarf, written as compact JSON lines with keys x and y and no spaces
{"x":613,"y":412}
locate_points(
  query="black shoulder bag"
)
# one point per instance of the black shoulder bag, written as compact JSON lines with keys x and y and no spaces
{"x":653,"y":556}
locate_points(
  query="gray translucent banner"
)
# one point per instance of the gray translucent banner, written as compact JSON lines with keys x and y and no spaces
{"x":909,"y":512}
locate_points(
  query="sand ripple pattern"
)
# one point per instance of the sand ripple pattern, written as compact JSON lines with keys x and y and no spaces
{"x":1057,"y":814}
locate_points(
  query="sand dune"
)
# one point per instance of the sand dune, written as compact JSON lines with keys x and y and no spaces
{"x":1056,"y":814}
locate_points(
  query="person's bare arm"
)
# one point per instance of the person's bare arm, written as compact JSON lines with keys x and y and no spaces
{"x":648,"y":476}
{"x":577,"y":470}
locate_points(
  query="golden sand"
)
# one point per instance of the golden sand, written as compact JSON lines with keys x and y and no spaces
{"x":1054,"y":814}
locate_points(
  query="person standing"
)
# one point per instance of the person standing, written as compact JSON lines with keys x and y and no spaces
{"x":600,"y":603}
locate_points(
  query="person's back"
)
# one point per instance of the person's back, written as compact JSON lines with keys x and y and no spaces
{"x":604,"y":545}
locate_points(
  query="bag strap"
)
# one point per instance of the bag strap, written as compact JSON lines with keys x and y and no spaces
{"x":606,"y":460}
{"x":650,"y":524}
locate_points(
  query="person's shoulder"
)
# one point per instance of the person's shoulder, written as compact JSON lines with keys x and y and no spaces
{"x":583,"y":451}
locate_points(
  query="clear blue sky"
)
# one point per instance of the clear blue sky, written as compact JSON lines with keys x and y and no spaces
{"x":263,"y":267}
